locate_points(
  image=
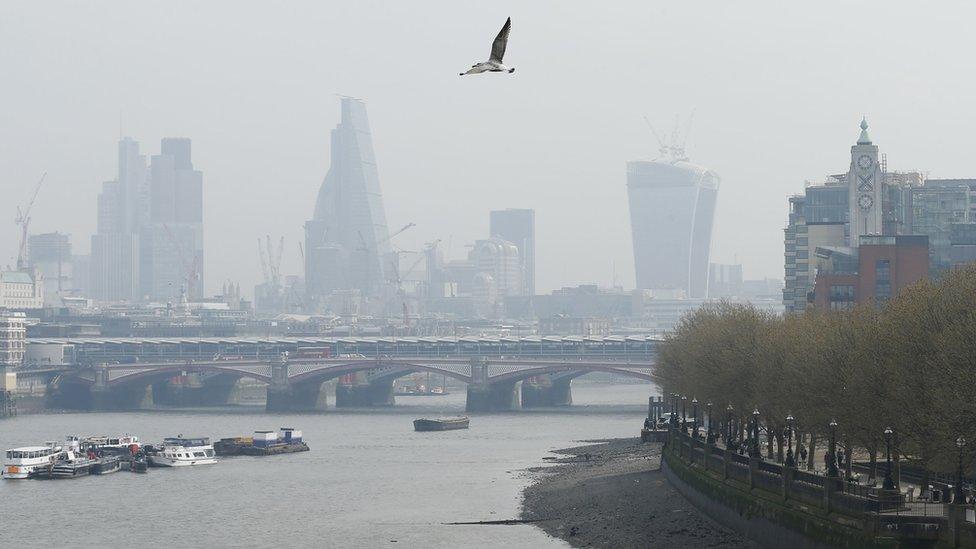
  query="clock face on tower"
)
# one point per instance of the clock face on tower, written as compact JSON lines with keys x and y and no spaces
{"x":865,"y":201}
{"x":864,"y":161}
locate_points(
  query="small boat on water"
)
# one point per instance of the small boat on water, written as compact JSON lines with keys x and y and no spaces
{"x":30,"y":461}
{"x":262,"y":443}
{"x":181,"y":452}
{"x":440,"y":424}
{"x":106,"y":465}
{"x":138,"y":464}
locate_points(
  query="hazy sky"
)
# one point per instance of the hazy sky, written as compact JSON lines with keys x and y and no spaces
{"x":778,"y":89}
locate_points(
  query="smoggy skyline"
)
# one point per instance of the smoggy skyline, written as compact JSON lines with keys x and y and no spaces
{"x":777,"y":92}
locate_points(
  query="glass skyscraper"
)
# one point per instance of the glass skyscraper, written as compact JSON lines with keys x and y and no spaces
{"x":672,"y":209}
{"x":347,"y":241}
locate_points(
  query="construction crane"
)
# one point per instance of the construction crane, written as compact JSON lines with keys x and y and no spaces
{"x":271,"y":261}
{"x":23,"y":220}
{"x":366,"y":248}
{"x":277,"y":261}
{"x":264,"y":261}
{"x":189,"y":268}
{"x":274,"y":259}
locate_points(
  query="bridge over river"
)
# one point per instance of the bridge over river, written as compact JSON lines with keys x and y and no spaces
{"x":500,"y":374}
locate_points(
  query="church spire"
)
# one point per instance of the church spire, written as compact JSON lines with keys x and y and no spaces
{"x":864,"y":139}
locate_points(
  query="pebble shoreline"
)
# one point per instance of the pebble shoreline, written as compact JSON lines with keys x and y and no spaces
{"x":611,"y":493}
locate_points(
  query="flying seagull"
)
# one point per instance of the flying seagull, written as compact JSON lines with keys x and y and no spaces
{"x":494,"y":63}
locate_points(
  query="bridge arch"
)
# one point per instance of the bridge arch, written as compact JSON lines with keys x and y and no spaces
{"x":399,"y":369}
{"x":582,"y":368}
{"x":150,"y":375}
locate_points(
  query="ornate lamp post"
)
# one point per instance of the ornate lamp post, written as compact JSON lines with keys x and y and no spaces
{"x":889,"y":483}
{"x":672,"y":421}
{"x":684,"y":415}
{"x":832,"y":451}
{"x":694,"y":421}
{"x":960,"y":494}
{"x":728,"y":426}
{"x":708,"y":432}
{"x":754,"y":449}
{"x":790,"y":462}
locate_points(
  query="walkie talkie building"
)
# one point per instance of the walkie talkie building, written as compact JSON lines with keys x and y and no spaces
{"x":672,"y":209}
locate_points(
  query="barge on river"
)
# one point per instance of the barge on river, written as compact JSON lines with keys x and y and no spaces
{"x":441,"y":424}
{"x":263,"y":443}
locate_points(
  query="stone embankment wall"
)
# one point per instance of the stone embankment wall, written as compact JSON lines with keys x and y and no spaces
{"x":779,"y":506}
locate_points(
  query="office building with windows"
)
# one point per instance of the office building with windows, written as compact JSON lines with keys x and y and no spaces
{"x":882,"y":268}
{"x":518,"y":227}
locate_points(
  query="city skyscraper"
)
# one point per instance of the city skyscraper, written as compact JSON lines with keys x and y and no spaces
{"x":672,"y":209}
{"x":171,"y":258}
{"x":122,"y":208}
{"x":518,"y":227}
{"x":149,"y":241}
{"x":347,"y":240}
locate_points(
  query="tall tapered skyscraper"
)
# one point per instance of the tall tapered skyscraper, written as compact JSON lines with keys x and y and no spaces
{"x":347,"y":241}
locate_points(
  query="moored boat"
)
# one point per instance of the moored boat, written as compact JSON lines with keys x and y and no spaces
{"x":440,"y":424}
{"x":138,"y":463}
{"x":117,"y":446}
{"x":181,"y":452}
{"x":30,"y":461}
{"x":106,"y":465}
{"x":73,"y":467}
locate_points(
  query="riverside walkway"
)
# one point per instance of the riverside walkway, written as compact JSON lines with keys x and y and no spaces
{"x":775,"y":500}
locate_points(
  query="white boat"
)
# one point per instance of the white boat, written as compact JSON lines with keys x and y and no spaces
{"x":30,"y":460}
{"x":180,"y":452}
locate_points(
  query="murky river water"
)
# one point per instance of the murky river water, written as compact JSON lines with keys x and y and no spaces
{"x":369,"y":480}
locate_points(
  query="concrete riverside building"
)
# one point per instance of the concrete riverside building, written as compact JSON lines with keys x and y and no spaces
{"x":672,"y":209}
{"x":13,"y":344}
{"x":831,"y":221}
{"x":21,"y":290}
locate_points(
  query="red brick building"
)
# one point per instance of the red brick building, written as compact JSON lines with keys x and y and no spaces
{"x":885,"y":265}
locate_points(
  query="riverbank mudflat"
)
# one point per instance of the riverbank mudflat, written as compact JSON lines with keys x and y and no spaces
{"x":613,"y":494}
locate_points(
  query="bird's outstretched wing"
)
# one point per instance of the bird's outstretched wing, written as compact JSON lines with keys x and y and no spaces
{"x":498,"y":46}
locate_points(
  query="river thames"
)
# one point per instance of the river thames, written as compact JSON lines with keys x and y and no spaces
{"x":368,"y":481}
